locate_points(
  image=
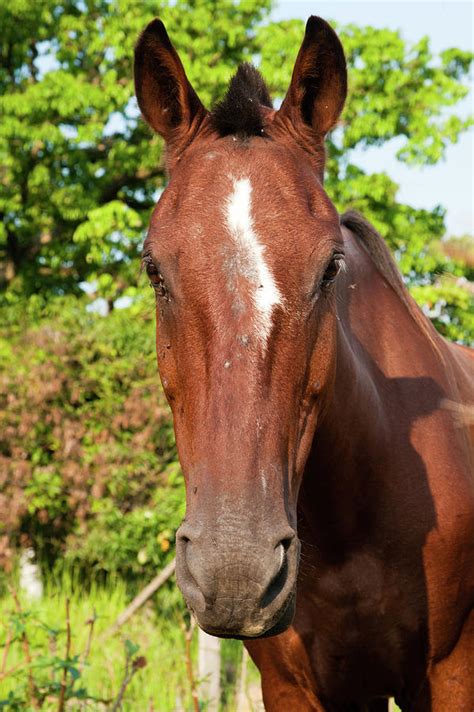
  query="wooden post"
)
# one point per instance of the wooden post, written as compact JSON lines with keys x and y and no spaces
{"x":209,"y":670}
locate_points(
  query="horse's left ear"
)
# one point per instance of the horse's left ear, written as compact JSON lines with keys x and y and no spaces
{"x":318,"y":86}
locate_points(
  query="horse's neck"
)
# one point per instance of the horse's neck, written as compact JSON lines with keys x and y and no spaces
{"x":341,"y":479}
{"x":387,"y":378}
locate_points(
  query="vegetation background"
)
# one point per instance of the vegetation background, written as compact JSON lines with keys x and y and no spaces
{"x":89,"y":477}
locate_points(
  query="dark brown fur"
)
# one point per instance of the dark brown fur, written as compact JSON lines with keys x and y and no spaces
{"x":240,"y":111}
{"x":342,"y":443}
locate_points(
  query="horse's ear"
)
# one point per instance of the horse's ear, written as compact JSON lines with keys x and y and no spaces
{"x":318,"y":86}
{"x":165,"y":96}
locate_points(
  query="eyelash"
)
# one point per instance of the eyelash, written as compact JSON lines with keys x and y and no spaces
{"x":332,"y":270}
{"x":157,"y":281}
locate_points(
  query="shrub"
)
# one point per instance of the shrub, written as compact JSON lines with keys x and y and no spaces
{"x":58,"y":649}
{"x":88,"y":465}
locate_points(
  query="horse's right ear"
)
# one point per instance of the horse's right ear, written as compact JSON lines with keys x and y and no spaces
{"x":318,"y":87}
{"x":165,"y":96}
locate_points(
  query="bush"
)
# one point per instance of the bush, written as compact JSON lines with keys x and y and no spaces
{"x":91,"y":665}
{"x":58,"y":647}
{"x":88,"y":465}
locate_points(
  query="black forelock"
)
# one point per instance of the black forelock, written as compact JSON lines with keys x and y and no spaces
{"x":239,"y":111}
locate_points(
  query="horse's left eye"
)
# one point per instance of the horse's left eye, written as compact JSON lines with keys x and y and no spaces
{"x":332,"y":269}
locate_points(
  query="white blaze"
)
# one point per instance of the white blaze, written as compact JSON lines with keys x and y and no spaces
{"x":266,"y":294}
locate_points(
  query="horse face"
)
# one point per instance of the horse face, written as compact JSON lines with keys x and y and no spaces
{"x":243,"y":251}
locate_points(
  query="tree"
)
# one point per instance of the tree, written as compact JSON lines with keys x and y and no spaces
{"x":81,"y":172}
{"x":402,"y":91}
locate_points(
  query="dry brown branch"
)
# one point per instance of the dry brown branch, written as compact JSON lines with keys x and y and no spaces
{"x":142,"y":597}
{"x":26,"y":650}
{"x":90,"y":622}
{"x":62,"y":694}
{"x":131,"y":667}
{"x":6,"y":649}
{"x":12,"y":670}
{"x":188,"y":636}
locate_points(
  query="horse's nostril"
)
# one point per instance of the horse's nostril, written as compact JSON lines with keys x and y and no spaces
{"x":282,"y":546}
{"x":284,"y":538}
{"x":286,"y":542}
{"x":282,"y":554}
{"x":277,"y":583}
{"x":186,"y":533}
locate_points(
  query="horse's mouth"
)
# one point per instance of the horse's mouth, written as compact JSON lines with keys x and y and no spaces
{"x":277,"y":624}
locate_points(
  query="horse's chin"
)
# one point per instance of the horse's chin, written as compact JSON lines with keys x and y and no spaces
{"x":276,"y":626}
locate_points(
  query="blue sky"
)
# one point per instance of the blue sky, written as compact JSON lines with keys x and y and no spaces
{"x":448,"y":24}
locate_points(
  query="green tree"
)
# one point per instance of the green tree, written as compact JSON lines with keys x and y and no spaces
{"x":396,"y":91}
{"x":80,"y":172}
{"x":88,"y":464}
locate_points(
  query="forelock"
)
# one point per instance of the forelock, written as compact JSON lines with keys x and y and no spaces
{"x":240,"y":111}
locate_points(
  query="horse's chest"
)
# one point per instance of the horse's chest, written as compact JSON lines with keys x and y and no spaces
{"x":364,"y":625}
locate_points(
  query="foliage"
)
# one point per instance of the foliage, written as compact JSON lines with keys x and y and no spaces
{"x":95,"y":662}
{"x":404,"y":94}
{"x":87,"y":455}
{"x":48,"y":679}
{"x":80,"y":172}
{"x":449,"y":303}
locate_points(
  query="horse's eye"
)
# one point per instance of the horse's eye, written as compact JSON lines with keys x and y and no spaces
{"x":332,"y":269}
{"x":157,"y":280}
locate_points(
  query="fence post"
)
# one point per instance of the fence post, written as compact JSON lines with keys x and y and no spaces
{"x":30,"y":575}
{"x":209,"y":670}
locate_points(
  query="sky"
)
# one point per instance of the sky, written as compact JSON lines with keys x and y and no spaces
{"x":448,"y":24}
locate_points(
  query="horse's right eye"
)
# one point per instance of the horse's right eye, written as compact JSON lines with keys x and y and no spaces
{"x":157,"y":281}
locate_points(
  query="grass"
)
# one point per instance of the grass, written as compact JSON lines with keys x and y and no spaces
{"x":153,"y":642}
{"x":160,"y":682}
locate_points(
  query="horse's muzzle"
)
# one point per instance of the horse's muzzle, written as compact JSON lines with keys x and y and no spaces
{"x":236,"y":587}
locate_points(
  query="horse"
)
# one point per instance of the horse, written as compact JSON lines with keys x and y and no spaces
{"x":322,"y":423}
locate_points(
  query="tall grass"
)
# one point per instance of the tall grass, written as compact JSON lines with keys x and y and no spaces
{"x":160,"y":685}
{"x":155,"y":638}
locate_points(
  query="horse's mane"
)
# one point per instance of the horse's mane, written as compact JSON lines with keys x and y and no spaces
{"x":239,"y":112}
{"x":385,"y":264}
